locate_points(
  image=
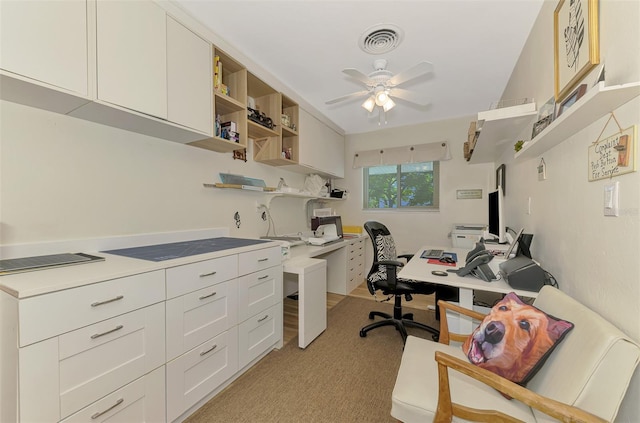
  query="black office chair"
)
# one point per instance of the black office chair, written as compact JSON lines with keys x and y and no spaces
{"x":382,"y":277}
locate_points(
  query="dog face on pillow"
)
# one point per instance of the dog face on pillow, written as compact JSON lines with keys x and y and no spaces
{"x":513,"y":338}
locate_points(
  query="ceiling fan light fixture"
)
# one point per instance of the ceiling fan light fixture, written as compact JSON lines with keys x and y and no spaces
{"x":369,"y":104}
{"x":381,"y":95}
{"x":388,"y":105}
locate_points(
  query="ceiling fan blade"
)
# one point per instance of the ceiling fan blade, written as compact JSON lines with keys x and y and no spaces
{"x":356,"y":74}
{"x":414,"y":72}
{"x":347,"y":97}
{"x":409,"y":96}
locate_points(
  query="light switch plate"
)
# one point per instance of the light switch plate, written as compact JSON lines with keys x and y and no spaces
{"x":611,"y":199}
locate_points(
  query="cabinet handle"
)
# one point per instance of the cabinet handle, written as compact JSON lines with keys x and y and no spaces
{"x":263,"y":277}
{"x":263,"y":259}
{"x":264,"y":318}
{"x":207,"y":296}
{"x":99,"y":303}
{"x":202,"y":275}
{"x":100,"y":413}
{"x":98,"y":335}
{"x":209,"y":350}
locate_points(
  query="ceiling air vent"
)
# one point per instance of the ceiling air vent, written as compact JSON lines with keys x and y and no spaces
{"x":381,"y":38}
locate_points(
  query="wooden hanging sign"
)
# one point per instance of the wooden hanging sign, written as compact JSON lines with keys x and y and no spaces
{"x":613,"y":156}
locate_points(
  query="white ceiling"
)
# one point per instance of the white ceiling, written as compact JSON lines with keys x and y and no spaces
{"x":473,"y":45}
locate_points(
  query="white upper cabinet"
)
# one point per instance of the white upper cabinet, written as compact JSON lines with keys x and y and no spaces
{"x":188,"y":78}
{"x":321,"y":148}
{"x":132,"y":55}
{"x":46,"y":41}
{"x":43,"y":59}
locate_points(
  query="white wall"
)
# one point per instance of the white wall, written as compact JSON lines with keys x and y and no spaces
{"x":411,"y":230}
{"x":63,"y":178}
{"x":594,"y":258}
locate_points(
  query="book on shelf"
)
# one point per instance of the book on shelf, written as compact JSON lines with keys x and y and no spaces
{"x":217,"y":77}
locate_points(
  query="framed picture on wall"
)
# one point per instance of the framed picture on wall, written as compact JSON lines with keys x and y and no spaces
{"x":501,"y":178}
{"x":576,"y":43}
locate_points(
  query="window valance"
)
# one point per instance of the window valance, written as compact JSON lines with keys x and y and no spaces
{"x":435,"y":151}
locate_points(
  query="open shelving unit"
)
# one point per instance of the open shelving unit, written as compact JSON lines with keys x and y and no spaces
{"x":596,"y":102}
{"x":230,"y":107}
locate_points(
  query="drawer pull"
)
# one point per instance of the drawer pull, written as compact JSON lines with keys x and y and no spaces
{"x":263,"y":259}
{"x":264,"y":318}
{"x":98,"y":335}
{"x":100,"y":413}
{"x":99,"y":303}
{"x":263,"y":277}
{"x":203,"y":275}
{"x":209,"y":350}
{"x":207,"y":296}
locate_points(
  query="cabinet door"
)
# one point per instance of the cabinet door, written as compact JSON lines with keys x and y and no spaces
{"x":320,"y":147}
{"x":188,"y":78}
{"x":132,"y":59}
{"x":46,"y":41}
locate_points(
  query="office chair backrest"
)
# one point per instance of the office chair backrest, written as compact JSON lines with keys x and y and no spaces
{"x":384,"y":248}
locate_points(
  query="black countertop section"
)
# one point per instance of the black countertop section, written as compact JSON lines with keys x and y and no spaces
{"x":174,"y":250}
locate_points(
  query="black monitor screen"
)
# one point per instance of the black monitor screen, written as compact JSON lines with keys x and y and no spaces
{"x":494,"y":213}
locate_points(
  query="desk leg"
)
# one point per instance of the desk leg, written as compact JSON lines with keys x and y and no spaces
{"x":312,"y":298}
{"x":462,"y":324}
{"x":466,"y":301}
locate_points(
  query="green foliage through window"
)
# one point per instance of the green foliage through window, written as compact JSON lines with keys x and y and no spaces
{"x":407,"y":186}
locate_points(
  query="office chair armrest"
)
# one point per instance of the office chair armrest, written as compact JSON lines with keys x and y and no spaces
{"x":447,"y":409}
{"x":406,"y":256}
{"x":394,"y":263}
{"x":445,"y":335}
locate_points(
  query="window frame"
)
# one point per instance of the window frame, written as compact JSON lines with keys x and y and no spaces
{"x":436,"y":190}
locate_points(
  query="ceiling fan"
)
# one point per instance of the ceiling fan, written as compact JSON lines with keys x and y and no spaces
{"x":382,"y":85}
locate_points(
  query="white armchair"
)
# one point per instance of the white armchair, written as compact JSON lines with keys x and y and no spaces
{"x":584,"y":379}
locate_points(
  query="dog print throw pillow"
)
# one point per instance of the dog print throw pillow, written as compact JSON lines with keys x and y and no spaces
{"x":514,"y":339}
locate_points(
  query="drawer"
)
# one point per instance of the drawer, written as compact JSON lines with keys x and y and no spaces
{"x":254,"y":261}
{"x":194,"y":276}
{"x":199,"y":316}
{"x":52,"y":314}
{"x":85,"y":365}
{"x":259,"y":334}
{"x":259,"y":291}
{"x":143,"y":400}
{"x":194,"y":375}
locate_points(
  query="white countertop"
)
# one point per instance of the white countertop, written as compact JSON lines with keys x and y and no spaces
{"x":29,"y":284}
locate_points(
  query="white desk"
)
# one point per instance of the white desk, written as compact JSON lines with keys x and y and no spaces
{"x":420,"y":269}
{"x":318,"y":269}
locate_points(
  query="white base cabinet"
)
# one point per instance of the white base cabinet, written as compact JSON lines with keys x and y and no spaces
{"x":142,"y":347}
{"x":355,"y":264}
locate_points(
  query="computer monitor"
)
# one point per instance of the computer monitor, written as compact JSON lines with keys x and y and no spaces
{"x":497,"y":225}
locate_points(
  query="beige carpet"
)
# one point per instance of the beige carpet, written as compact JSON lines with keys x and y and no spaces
{"x":340,"y":377}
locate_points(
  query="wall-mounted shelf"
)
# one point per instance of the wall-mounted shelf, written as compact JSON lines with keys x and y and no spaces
{"x":271,"y":192}
{"x":500,"y":127}
{"x":597,"y":102}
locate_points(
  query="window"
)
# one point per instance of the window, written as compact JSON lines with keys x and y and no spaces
{"x":406,"y":186}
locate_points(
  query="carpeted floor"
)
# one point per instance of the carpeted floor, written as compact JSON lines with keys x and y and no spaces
{"x":340,"y":377}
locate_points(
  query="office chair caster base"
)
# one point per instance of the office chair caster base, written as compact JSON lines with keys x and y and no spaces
{"x":373,"y":314}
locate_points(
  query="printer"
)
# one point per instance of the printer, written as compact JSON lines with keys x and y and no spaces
{"x":521,"y":272}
